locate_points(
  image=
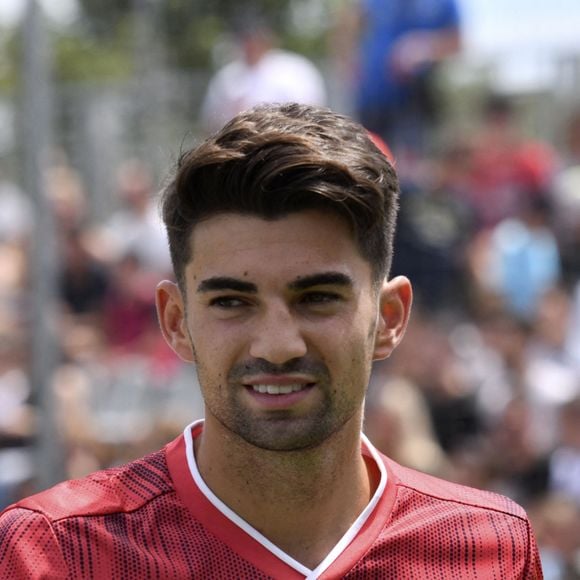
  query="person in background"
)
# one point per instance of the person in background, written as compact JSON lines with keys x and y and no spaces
{"x":395,"y":48}
{"x":135,"y":228}
{"x":557,"y":521}
{"x":508,"y":170}
{"x":260,"y":73}
{"x":523,"y":258}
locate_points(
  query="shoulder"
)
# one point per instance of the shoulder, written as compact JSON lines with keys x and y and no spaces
{"x":28,"y":546}
{"x":435,"y":528}
{"x":433,"y":490}
{"x":119,"y":489}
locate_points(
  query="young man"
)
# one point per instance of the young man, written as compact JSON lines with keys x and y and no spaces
{"x":280,"y":228}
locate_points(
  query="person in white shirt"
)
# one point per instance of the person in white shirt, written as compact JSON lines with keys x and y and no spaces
{"x":262,"y":73}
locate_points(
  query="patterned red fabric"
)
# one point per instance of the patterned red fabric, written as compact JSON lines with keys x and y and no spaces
{"x":148,"y":519}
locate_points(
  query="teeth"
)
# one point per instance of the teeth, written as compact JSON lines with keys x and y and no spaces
{"x":278,"y":389}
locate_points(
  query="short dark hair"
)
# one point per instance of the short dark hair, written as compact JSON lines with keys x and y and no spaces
{"x":274,"y":160}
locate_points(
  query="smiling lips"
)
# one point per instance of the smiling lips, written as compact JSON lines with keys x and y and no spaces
{"x":280,"y":389}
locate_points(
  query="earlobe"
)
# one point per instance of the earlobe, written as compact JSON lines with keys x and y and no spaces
{"x":172,"y":319}
{"x":396,"y":297}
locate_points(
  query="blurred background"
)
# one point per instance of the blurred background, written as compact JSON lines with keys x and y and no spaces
{"x":476,"y":101}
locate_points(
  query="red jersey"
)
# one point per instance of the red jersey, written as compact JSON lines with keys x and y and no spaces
{"x":156,"y":518}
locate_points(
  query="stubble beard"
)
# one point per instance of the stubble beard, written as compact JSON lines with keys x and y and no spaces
{"x":283,"y":430}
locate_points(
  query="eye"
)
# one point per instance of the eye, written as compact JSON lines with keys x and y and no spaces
{"x":321,"y":298}
{"x":227,"y":302}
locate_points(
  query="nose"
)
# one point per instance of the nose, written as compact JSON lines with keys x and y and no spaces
{"x":277,"y":337}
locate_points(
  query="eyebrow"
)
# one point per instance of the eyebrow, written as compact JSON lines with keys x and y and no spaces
{"x":321,"y":279}
{"x":218,"y":283}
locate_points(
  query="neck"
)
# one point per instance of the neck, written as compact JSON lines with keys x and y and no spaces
{"x":303,"y":501}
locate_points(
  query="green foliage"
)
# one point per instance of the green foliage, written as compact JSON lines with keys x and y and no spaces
{"x":102,"y":17}
{"x":189,"y":39}
{"x":103,"y":44}
{"x":8,"y":59}
{"x":192,"y":29}
{"x":188,"y":30}
{"x":83,"y":58}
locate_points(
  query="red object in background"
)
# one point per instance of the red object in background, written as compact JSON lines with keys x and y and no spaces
{"x":383,"y":147}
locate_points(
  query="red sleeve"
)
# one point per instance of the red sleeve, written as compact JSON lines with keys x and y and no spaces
{"x":28,"y":547}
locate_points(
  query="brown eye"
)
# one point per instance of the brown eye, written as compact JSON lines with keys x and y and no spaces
{"x":227,"y":302}
{"x":320,"y":298}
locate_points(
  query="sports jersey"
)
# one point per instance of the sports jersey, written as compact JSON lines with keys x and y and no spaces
{"x":156,"y":518}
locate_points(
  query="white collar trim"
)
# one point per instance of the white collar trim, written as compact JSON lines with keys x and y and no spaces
{"x":342,"y":544}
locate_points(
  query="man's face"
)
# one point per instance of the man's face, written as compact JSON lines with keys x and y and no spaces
{"x":281,"y":319}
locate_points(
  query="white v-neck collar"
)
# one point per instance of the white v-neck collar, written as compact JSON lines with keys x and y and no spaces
{"x":338,"y":549}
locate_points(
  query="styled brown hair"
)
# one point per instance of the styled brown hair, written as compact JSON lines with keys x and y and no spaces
{"x":274,"y":160}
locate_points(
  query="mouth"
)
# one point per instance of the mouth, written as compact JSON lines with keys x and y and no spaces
{"x":276,"y":394}
{"x":271,"y":389}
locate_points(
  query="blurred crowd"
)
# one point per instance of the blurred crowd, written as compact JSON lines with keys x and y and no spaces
{"x":118,"y":388}
{"x":485,"y":388}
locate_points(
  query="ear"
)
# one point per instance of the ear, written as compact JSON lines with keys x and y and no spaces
{"x":396,"y":297}
{"x":172,"y":319}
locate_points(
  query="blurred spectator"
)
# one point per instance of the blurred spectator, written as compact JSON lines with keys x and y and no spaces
{"x":435,"y":224}
{"x":16,"y":420}
{"x":572,"y":339}
{"x":523,"y":258}
{"x":84,"y":279}
{"x":567,"y":212}
{"x":564,"y":465}
{"x":398,"y":421}
{"x":556,"y":522}
{"x":507,"y":170}
{"x":13,"y":281}
{"x":17,"y":416}
{"x":433,"y":368}
{"x":129,"y":318}
{"x":567,"y":200}
{"x":399,"y":44}
{"x":136,"y":227}
{"x":113,"y":404}
{"x":15,"y":212}
{"x":521,"y":469}
{"x":68,"y":196}
{"x":552,"y":378}
{"x":571,"y":138}
{"x":260,"y":72}
{"x":491,"y":351}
